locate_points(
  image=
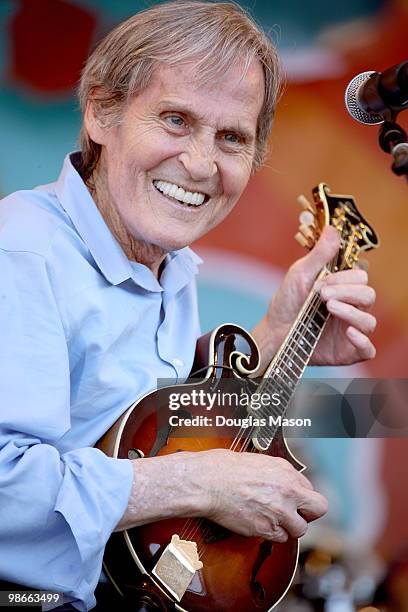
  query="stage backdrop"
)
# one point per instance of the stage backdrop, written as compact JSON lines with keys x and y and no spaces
{"x":43,"y":44}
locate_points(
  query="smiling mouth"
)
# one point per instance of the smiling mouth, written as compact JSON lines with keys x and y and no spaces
{"x":193,"y":199}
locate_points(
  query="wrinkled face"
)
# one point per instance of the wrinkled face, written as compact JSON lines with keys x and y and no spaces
{"x":182,"y":154}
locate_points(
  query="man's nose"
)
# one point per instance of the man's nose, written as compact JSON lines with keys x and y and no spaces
{"x":199,"y":160}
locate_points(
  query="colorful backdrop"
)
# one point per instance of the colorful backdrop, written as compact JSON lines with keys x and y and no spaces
{"x":43,"y":44}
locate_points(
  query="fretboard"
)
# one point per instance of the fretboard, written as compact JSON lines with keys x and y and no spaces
{"x":287,"y":367}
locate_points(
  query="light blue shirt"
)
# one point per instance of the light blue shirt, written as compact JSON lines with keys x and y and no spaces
{"x":84,"y":332}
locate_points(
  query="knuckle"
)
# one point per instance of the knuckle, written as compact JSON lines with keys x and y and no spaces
{"x":292,"y":491}
{"x":325,"y":504}
{"x":372,"y":324}
{"x":297,"y":266}
{"x":282,"y":537}
{"x":305,"y":482}
{"x":300,"y":530}
{"x":371,"y":351}
{"x":363,"y":276}
{"x":373,"y":295}
{"x":368,"y":297}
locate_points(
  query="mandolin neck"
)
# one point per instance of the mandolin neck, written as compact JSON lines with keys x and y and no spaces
{"x":288,"y":365}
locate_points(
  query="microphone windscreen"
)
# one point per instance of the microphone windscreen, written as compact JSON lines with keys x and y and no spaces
{"x":351,"y":100}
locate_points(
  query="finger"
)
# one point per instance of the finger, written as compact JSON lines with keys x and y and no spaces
{"x":360,"y":341}
{"x":357,"y":295}
{"x":276,"y":534}
{"x":344,"y":277}
{"x":324,"y":250}
{"x":294,"y":524}
{"x":312,"y":506}
{"x":362,"y":321}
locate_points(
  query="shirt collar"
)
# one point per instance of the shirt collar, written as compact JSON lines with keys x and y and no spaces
{"x":109,"y":256}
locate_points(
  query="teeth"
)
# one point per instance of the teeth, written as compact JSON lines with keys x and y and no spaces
{"x":174,"y":191}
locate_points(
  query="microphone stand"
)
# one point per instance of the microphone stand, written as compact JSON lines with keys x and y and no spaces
{"x":393,"y":87}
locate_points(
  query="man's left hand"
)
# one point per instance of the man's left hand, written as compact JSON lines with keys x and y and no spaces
{"x":348,"y":297}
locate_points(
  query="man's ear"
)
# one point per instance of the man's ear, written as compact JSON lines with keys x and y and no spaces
{"x":95,"y":122}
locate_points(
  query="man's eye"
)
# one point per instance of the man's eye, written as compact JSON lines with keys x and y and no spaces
{"x":174,"y":120}
{"x":232,"y":138}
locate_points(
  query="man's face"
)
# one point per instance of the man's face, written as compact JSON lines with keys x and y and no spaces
{"x":182,"y":154}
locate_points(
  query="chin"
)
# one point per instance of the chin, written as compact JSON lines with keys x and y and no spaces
{"x":173,"y":245}
{"x":175,"y":240}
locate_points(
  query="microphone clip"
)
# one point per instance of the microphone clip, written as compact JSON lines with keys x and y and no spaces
{"x":393,"y":139}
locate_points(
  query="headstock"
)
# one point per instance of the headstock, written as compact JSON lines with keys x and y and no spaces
{"x":341,"y":212}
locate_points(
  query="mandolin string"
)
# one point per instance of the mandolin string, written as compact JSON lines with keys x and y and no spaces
{"x":196,"y":524}
{"x":310,"y":311}
{"x":314,"y":304}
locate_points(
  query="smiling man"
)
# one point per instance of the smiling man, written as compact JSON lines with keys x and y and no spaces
{"x":98,"y":299}
{"x":176,"y":164}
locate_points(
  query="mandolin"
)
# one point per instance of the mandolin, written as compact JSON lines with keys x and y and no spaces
{"x":195,"y":564}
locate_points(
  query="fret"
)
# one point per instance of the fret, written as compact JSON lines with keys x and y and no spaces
{"x":273,"y":385}
{"x":283,"y":394}
{"x":321,"y":315}
{"x":288,"y":364}
{"x":290,"y":384}
{"x":291,"y":361}
{"x":283,"y":386}
{"x":312,"y":324}
{"x":303,"y":341}
{"x":291,"y":352}
{"x":275,"y":411}
{"x":307,"y":333}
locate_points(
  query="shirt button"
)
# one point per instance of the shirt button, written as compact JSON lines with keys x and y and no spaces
{"x":177,"y":362}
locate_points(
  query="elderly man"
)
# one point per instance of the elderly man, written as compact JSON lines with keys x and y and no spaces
{"x":98,"y":299}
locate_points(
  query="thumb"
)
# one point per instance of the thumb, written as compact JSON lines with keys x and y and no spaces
{"x":323,"y":252}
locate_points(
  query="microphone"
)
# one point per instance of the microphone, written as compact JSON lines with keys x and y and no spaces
{"x":373,"y":97}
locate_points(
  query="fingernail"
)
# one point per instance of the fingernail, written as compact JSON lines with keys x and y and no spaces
{"x":318,"y":285}
{"x":333,"y":305}
{"x":327,"y":292}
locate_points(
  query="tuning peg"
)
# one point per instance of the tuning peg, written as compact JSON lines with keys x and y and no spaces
{"x":305,"y":204}
{"x":306,"y":218}
{"x":302,"y":240}
{"x":307,"y":231}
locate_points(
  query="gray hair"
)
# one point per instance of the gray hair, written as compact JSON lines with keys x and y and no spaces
{"x":213,"y":35}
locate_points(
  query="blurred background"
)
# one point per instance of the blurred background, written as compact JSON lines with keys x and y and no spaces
{"x":358,"y":557}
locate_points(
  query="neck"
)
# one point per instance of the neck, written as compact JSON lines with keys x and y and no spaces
{"x":150,"y":255}
{"x":287,"y":367}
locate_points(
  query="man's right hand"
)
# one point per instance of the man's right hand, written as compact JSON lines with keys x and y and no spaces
{"x":258,"y":495}
{"x":249,"y":493}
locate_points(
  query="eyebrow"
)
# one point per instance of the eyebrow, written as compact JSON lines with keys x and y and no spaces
{"x":184,"y":108}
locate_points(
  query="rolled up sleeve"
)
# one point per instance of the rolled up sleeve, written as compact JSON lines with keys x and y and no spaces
{"x":57,"y":510}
